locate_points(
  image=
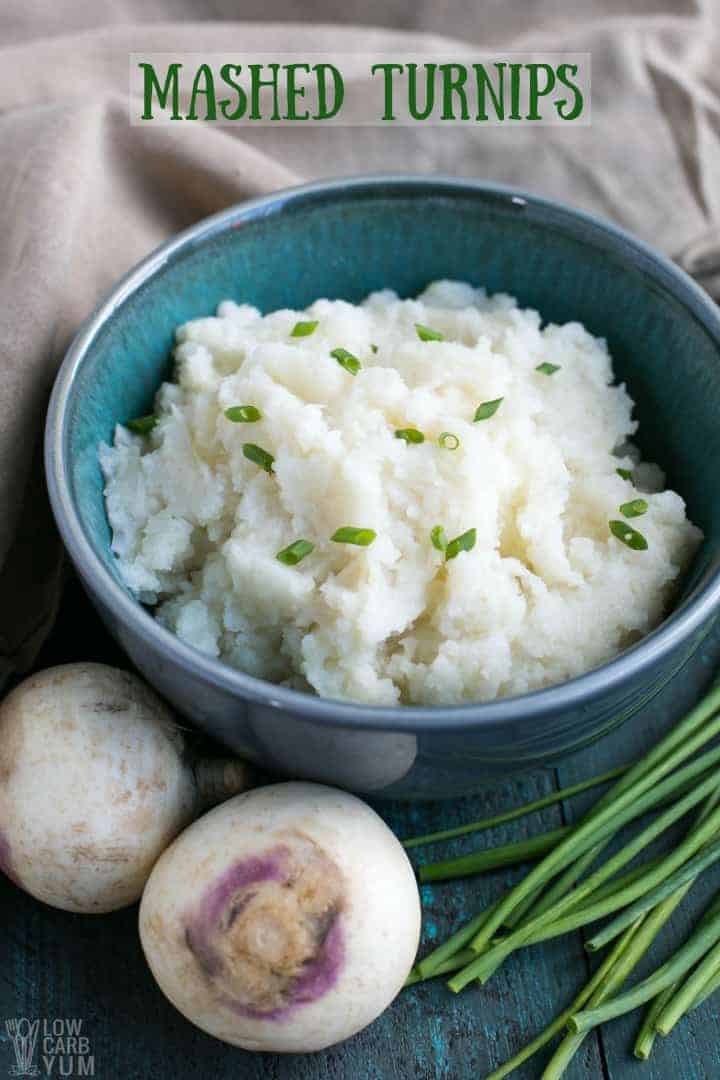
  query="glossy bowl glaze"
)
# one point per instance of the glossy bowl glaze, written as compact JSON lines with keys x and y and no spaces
{"x":343,"y":239}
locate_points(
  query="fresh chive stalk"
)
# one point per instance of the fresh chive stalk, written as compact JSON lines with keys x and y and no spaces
{"x":426,"y":333}
{"x":627,"y":535}
{"x":304,"y":329}
{"x":643,"y":932}
{"x":489,"y":859}
{"x":258,"y":456}
{"x":464,"y":542}
{"x":518,"y":811}
{"x":706,"y":856}
{"x":346,"y":360}
{"x":648,"y":1030}
{"x":445,"y":968}
{"x":487,"y":409}
{"x":700,"y":943}
{"x":682,"y":999}
{"x":295,"y":552}
{"x":560,"y":1023}
{"x":142,"y":425}
{"x":636,"y":791}
{"x":634,"y":508}
{"x":243,"y":414}
{"x":348,"y":534}
{"x":454,"y":944}
{"x":448,"y":441}
{"x":491,"y":959}
{"x":410,"y":435}
{"x":439,"y":541}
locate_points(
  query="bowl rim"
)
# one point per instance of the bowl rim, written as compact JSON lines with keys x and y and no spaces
{"x":682,"y":623}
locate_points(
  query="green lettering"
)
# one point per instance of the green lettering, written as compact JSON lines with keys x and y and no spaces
{"x":535,"y":90}
{"x":257,"y":84}
{"x":454,"y":79}
{"x":151,"y":85}
{"x":227,"y":71}
{"x":485,"y":89}
{"x":387,"y":70}
{"x":338,"y":90}
{"x":561,"y":105}
{"x":294,"y":91}
{"x":515,"y":73}
{"x":415,"y":111}
{"x":203,"y":86}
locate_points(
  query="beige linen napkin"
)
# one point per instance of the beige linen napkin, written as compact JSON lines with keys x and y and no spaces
{"x":83,"y":195}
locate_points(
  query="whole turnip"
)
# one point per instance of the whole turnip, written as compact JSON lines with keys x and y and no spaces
{"x":286,"y":919}
{"x":95,"y":781}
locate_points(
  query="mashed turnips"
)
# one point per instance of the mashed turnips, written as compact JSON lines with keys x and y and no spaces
{"x":454,"y":416}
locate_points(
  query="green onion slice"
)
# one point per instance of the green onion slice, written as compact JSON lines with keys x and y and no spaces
{"x":295,"y":552}
{"x":448,"y":441}
{"x":374,"y":348}
{"x":634,"y":508}
{"x":487,"y":409}
{"x":625,"y":473}
{"x":348,"y":534}
{"x":410,"y":435}
{"x":259,"y":456}
{"x":426,"y":333}
{"x":628,"y":536}
{"x":346,"y":360}
{"x":547,"y":369}
{"x":438,"y":538}
{"x":142,"y":425}
{"x":464,"y":542}
{"x":304,"y":329}
{"x":243,"y":414}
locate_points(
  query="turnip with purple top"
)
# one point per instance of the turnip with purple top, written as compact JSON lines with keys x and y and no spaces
{"x":95,"y":782}
{"x":285,"y":920}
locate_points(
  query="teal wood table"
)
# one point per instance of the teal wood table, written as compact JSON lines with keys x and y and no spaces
{"x":58,"y":967}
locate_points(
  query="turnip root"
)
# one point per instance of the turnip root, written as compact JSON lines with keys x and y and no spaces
{"x":286,"y":919}
{"x":95,"y":782}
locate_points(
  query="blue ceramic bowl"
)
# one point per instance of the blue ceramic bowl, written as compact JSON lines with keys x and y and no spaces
{"x":343,"y":239}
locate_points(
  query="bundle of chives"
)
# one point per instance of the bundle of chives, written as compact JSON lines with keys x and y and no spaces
{"x":556,"y":897}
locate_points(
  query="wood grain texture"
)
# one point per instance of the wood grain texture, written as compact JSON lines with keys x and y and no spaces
{"x":57,"y":965}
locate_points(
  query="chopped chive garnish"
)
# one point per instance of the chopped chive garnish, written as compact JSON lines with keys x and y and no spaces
{"x":426,"y":333}
{"x":628,"y":536}
{"x":438,"y":538}
{"x":547,"y":369}
{"x":304,"y":329}
{"x":295,"y":552}
{"x":348,"y":534}
{"x":625,"y":473}
{"x":410,"y":435}
{"x":142,"y":425}
{"x":374,"y":348}
{"x":259,"y":456}
{"x":487,"y":409}
{"x":346,"y":360}
{"x":634,"y":508}
{"x":464,"y":542}
{"x":448,"y":441}
{"x":243,"y":414}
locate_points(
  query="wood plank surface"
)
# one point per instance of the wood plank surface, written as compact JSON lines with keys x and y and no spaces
{"x":56,"y":965}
